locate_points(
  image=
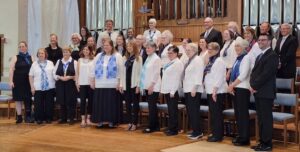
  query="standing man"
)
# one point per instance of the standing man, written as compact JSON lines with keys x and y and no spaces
{"x":263,"y":86}
{"x":109,"y":30}
{"x":286,"y":48}
{"x":211,"y":34}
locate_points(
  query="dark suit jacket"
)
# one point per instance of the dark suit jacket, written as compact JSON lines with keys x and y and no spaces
{"x":287,"y":57}
{"x":214,"y":36}
{"x":144,"y":54}
{"x":263,"y":76}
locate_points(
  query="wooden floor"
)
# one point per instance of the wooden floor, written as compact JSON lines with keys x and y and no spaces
{"x":65,"y":138}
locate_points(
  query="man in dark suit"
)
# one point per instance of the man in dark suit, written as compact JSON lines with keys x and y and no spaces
{"x":211,"y":34}
{"x":263,"y":86}
{"x":286,"y":48}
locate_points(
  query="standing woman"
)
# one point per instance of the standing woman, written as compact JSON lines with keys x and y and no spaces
{"x":121,"y":44}
{"x":166,"y":40}
{"x":216,"y":89}
{"x":75,"y":46}
{"x":53,"y":50}
{"x":19,"y":82}
{"x":227,"y":53}
{"x":66,"y":92}
{"x":42,"y":87}
{"x":239,"y":88}
{"x":249,"y":35}
{"x":171,"y":79}
{"x":106,"y":79}
{"x":91,"y":44}
{"x":152,"y":33}
{"x":85,"y":34}
{"x":85,"y":63}
{"x":133,"y":66}
{"x":203,"y":50}
{"x":150,"y":85}
{"x":192,"y":88}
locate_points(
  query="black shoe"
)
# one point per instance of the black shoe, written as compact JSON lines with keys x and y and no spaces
{"x":263,"y":148}
{"x":48,"y":121}
{"x":29,"y":120}
{"x":100,"y":125}
{"x":242,"y":143}
{"x":71,"y":122}
{"x":19,"y":119}
{"x":171,"y":133}
{"x":214,"y":139}
{"x":196,"y":136}
{"x":256,"y":146}
{"x":235,"y":140}
{"x":62,"y":121}
{"x":39,"y":122}
{"x":148,"y":130}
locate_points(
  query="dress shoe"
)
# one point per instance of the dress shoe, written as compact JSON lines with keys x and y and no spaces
{"x":48,"y":121}
{"x":263,"y":148}
{"x":196,"y":136}
{"x":29,"y":120}
{"x":19,"y":119}
{"x":242,"y":143}
{"x":171,"y":133}
{"x":61,"y":121}
{"x":71,"y":122}
{"x":214,"y":139}
{"x":256,"y":146}
{"x":148,"y":130}
{"x":39,"y":122}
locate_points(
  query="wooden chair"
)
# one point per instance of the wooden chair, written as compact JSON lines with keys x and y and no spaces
{"x":283,"y":118}
{"x":229,"y":115}
{"x":4,"y":98}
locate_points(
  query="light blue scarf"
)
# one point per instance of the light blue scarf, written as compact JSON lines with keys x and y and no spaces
{"x":111,"y":67}
{"x":44,"y":77}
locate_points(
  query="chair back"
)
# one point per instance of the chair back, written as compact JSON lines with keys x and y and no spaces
{"x":285,"y":99}
{"x":4,"y":86}
{"x":286,"y":84}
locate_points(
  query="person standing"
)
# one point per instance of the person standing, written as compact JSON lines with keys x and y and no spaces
{"x":42,"y":87}
{"x":263,"y":87}
{"x":19,"y":82}
{"x":109,"y":31}
{"x":152,"y":33}
{"x":211,"y":34}
{"x":53,"y":50}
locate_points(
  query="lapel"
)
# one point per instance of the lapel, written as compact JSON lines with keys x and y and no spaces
{"x":263,"y":57}
{"x":285,"y":43}
{"x":211,"y":33}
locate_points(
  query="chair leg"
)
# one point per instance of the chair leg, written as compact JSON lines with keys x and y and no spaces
{"x":285,"y":134}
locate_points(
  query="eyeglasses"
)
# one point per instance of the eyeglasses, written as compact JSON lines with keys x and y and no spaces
{"x":262,"y":39}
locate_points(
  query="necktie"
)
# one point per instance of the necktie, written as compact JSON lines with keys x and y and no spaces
{"x":206,"y":34}
{"x":259,"y":57}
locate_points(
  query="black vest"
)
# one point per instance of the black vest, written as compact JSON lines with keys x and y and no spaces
{"x":70,"y":70}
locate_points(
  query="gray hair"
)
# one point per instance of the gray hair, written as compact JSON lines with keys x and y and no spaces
{"x":151,"y":44}
{"x":241,"y":42}
{"x":193,"y":46}
{"x":77,"y":35}
{"x":153,"y":20}
{"x":168,"y":34}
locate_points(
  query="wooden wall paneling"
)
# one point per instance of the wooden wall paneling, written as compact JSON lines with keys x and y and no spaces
{"x":171,"y":9}
{"x":178,"y":9}
{"x":183,"y":11}
{"x":156,"y":9}
{"x":82,"y":12}
{"x":223,"y":9}
{"x":188,"y":5}
{"x":205,"y":8}
{"x":163,"y":10}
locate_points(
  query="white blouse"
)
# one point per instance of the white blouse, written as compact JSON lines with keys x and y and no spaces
{"x":64,"y":62}
{"x":193,"y":75}
{"x":85,"y":66}
{"x":216,"y":78}
{"x":113,"y":37}
{"x":245,"y":71}
{"x":152,"y":68}
{"x":104,"y":82}
{"x":231,"y":54}
{"x":152,"y":35}
{"x":164,"y":55}
{"x":172,"y":77}
{"x":135,"y":75}
{"x":35,"y":72}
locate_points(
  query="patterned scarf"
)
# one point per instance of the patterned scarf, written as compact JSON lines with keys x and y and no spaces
{"x":129,"y":61}
{"x":210,"y":63}
{"x":44,"y":77}
{"x":226,"y":49}
{"x":25,"y":56}
{"x":111,"y":67}
{"x":236,"y":67}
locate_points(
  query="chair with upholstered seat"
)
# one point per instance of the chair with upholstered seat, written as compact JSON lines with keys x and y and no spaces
{"x":5,"y":99}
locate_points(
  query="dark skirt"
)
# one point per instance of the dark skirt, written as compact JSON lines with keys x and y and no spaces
{"x":106,"y":105}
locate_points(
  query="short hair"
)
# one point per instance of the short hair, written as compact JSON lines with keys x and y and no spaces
{"x":241,"y":42}
{"x":168,"y":34}
{"x":77,"y":35}
{"x":234,"y":24}
{"x":110,"y":20}
{"x":269,"y":36}
{"x":151,"y":44}
{"x":24,"y":42}
{"x":42,"y":49}
{"x":153,"y":20}
{"x":193,"y":46}
{"x":67,"y":48}
{"x":250,"y":30}
{"x":174,"y":49}
{"x":214,"y":46}
{"x":53,"y":34}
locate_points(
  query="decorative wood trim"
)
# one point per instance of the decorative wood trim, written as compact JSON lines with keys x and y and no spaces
{"x":82,"y":12}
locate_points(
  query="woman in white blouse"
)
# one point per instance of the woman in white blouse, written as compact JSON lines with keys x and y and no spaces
{"x":133,"y":63}
{"x":66,"y":92}
{"x":166,"y":40}
{"x":42,"y":86}
{"x":106,"y":79}
{"x":227,"y":53}
{"x":203,"y":50}
{"x":192,"y":88}
{"x":216,"y":88}
{"x":171,"y":79}
{"x":239,"y":88}
{"x":150,"y":85}
{"x":84,"y":66}
{"x":152,"y":33}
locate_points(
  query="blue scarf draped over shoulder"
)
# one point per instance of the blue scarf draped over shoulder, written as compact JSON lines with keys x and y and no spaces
{"x":111,"y":70}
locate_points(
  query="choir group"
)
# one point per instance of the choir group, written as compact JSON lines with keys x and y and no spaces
{"x":107,"y":70}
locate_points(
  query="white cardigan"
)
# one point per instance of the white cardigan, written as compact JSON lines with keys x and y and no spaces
{"x":172,"y":77}
{"x":152,"y":66}
{"x":135,"y":75}
{"x":193,"y":75}
{"x":216,"y":78}
{"x":245,"y":71}
{"x":164,"y":55}
{"x":231,"y":54}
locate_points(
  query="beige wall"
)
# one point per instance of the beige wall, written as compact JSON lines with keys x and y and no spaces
{"x":13,"y":24}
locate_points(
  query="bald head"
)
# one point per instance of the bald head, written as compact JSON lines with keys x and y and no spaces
{"x":208,"y":23}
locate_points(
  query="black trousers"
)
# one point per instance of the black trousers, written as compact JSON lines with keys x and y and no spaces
{"x":44,"y":105}
{"x":172,"y":111}
{"x":265,"y":119}
{"x":85,"y":92}
{"x":153,"y":111}
{"x":216,"y":115}
{"x":28,"y":107}
{"x":241,"y":101}
{"x":193,"y":111}
{"x":132,"y":105}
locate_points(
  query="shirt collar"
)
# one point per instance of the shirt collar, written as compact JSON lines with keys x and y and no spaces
{"x":265,"y":50}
